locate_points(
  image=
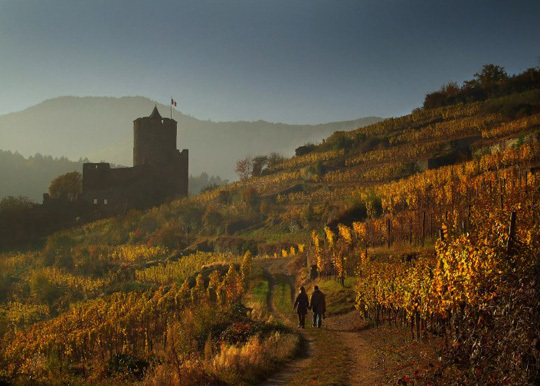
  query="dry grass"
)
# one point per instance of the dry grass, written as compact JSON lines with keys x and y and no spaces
{"x":232,"y":364}
{"x":248,"y":362}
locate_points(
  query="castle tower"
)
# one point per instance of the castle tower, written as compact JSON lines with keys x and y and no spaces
{"x":159,"y":171}
{"x":154,"y":147}
{"x":154,"y":140}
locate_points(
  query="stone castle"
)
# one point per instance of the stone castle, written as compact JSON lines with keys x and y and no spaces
{"x":159,"y":171}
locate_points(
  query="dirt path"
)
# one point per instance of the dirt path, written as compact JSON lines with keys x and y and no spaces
{"x":345,"y":329}
{"x":290,"y":371}
{"x":348,"y":329}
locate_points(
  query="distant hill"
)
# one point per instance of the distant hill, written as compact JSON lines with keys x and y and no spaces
{"x":101,"y":129}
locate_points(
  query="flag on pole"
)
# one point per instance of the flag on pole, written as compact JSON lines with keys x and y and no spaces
{"x":173,"y":102}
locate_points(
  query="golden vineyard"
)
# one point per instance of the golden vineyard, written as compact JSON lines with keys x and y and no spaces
{"x":433,"y":216}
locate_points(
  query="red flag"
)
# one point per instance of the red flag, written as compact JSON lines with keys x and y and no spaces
{"x":173,"y":102}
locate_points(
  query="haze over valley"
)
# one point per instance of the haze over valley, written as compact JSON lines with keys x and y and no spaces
{"x":101,"y":129}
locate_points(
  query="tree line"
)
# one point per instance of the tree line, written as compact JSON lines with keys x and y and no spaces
{"x":491,"y":81}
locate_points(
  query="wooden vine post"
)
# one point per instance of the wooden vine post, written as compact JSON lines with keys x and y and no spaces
{"x":511,"y":233}
{"x":423,"y":227}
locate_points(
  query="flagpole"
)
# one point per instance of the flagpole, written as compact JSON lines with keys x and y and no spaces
{"x":171,"y":106}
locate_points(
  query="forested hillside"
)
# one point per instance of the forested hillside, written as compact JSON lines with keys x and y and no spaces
{"x":31,"y":176}
{"x":433,"y":217}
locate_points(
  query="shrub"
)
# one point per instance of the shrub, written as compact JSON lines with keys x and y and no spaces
{"x":305,"y":149}
{"x":127,"y":365}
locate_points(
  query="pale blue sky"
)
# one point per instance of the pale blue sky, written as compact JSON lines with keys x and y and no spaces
{"x":294,"y":61}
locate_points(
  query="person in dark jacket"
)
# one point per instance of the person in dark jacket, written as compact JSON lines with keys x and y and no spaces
{"x":318,"y":306}
{"x":301,"y":305}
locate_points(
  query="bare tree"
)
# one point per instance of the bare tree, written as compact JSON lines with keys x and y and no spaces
{"x":244,"y":167}
{"x":274,"y":159}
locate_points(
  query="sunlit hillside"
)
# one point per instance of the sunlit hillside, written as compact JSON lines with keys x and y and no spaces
{"x":432,"y":216}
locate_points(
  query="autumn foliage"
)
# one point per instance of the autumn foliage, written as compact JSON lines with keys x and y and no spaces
{"x":433,"y":215}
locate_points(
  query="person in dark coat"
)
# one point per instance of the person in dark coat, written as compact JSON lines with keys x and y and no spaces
{"x":301,"y":305}
{"x":318,"y":306}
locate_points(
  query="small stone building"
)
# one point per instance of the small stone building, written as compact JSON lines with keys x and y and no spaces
{"x":159,"y":171}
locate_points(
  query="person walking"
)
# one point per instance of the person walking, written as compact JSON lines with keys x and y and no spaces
{"x":318,"y":305}
{"x":301,"y":306}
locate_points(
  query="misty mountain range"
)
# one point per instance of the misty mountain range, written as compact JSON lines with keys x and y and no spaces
{"x":101,"y":129}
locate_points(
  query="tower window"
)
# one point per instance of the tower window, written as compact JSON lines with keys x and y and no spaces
{"x":105,"y":202}
{"x":95,"y":201}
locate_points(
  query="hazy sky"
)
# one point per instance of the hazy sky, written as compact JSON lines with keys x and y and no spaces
{"x":294,"y":61}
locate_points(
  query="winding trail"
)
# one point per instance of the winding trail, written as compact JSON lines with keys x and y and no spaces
{"x":273,"y":268}
{"x":345,"y":329}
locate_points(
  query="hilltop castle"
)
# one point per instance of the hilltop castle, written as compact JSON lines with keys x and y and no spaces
{"x":159,"y":171}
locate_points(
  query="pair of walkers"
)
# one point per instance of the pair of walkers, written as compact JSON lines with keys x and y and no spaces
{"x":317,"y":304}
